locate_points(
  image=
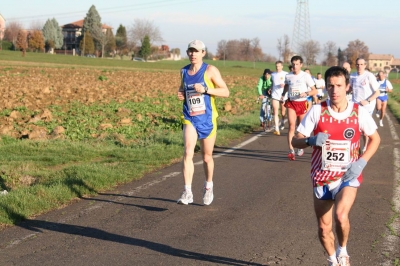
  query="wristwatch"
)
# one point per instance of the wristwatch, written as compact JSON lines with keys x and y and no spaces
{"x":206,"y":90}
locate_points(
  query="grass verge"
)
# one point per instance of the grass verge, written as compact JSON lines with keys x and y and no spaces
{"x":44,"y":175}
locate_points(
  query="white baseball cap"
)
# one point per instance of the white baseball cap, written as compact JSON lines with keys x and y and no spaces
{"x":197,"y":44}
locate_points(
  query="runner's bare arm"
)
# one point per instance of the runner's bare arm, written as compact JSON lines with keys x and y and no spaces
{"x":181,"y":95}
{"x":285,"y":90}
{"x":299,"y":141}
{"x":309,"y":93}
{"x":372,"y":147}
{"x":220,"y":88}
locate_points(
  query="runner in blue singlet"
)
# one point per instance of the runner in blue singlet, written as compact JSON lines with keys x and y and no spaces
{"x":200,"y":83}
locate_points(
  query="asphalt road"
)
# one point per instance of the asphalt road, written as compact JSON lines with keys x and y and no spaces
{"x":262,"y":214}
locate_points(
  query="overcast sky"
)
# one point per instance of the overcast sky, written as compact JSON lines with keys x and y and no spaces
{"x":376,"y":23}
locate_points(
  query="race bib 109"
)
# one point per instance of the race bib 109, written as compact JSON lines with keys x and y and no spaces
{"x":195,"y":102}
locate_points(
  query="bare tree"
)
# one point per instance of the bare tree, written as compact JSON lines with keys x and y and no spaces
{"x":22,"y":41}
{"x":279,"y":46}
{"x":284,"y":48}
{"x":354,"y":50}
{"x":142,"y":27}
{"x":310,"y":50}
{"x":101,"y":37}
{"x":330,"y":50}
{"x":36,"y":25}
{"x":11,"y":32}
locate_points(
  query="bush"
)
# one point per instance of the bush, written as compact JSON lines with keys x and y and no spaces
{"x":6,"y":45}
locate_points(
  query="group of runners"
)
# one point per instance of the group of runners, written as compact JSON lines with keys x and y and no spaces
{"x":333,"y":128}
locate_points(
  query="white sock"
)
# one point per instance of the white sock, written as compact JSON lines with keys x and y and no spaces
{"x":188,"y":188}
{"x":333,"y":258}
{"x":341,"y":251}
{"x":209,"y":184}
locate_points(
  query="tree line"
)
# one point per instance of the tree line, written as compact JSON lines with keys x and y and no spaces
{"x":250,"y":50}
{"x":138,"y":40}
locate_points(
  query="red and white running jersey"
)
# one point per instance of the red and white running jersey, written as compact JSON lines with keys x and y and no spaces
{"x":342,"y":146}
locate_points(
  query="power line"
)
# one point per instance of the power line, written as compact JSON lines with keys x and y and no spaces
{"x":110,"y":10}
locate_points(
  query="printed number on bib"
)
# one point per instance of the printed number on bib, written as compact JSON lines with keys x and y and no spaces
{"x":195,"y":102}
{"x":336,"y":155}
{"x":294,"y":93}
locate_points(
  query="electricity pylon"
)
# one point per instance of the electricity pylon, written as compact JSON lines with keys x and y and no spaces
{"x":301,"y":29}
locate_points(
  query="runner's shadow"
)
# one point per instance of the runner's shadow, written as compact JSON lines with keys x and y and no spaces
{"x":83,"y":231}
{"x":144,"y":207}
{"x":137,"y":197}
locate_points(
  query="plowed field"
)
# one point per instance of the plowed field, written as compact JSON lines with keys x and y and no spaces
{"x":42,"y":103}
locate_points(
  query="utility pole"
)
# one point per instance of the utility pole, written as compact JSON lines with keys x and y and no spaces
{"x":83,"y":31}
{"x":301,"y":29}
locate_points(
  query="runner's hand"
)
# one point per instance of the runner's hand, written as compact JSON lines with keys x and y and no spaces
{"x":318,"y":140}
{"x":354,"y":170}
{"x":181,"y":96}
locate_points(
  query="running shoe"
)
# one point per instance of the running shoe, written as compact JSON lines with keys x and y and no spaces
{"x":381,"y":123}
{"x":344,"y":260}
{"x":277,"y":133}
{"x":291,"y":155}
{"x":186,"y":198}
{"x":208,"y":196}
{"x":333,"y":263}
{"x":282,"y":125}
{"x":300,"y":152}
{"x":377,"y":114}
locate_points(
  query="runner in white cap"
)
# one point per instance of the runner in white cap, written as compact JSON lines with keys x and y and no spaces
{"x":278,"y":83}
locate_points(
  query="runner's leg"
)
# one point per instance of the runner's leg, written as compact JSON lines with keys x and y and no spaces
{"x":378,"y":106}
{"x":190,"y":140}
{"x":344,"y":201}
{"x":275,"y":105}
{"x":292,"y":117}
{"x":323,"y":211}
{"x":283,"y":114}
{"x":207,"y":147}
{"x":383,"y":109}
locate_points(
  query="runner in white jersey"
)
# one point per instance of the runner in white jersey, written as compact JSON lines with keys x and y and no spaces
{"x":334,"y":128}
{"x":320,"y":85}
{"x":349,"y":94}
{"x":385,"y":86}
{"x":299,"y":85}
{"x":365,"y":89}
{"x":278,"y":83}
{"x":310,"y":99}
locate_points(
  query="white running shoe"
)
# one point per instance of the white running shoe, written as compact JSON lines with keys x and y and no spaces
{"x":208,"y":196}
{"x":282,"y":125}
{"x":344,"y":260}
{"x":381,"y":123}
{"x":377,"y":114}
{"x":333,"y":263}
{"x":300,"y":152}
{"x":186,"y":198}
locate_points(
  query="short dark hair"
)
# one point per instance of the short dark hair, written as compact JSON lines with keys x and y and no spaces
{"x":337,"y":71}
{"x":295,"y":58}
{"x":279,"y":62}
{"x":267,"y":71}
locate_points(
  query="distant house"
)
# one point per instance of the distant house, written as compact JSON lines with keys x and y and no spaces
{"x":72,"y":32}
{"x":395,"y":65}
{"x":2,"y":26}
{"x":377,"y":62}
